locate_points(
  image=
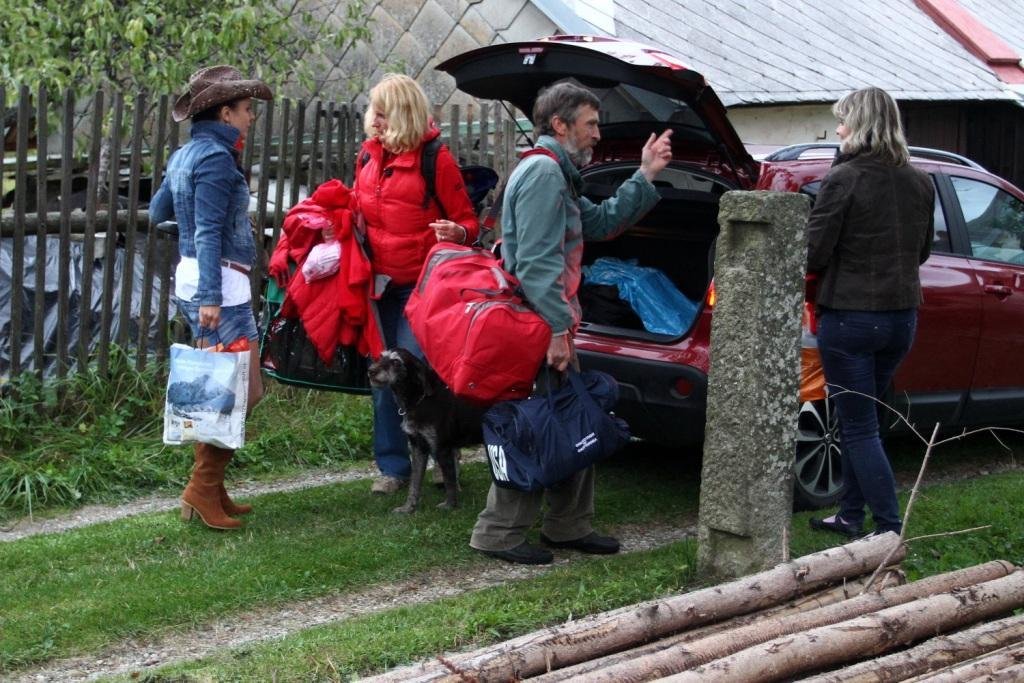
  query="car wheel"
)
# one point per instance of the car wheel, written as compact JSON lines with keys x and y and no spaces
{"x":818,"y":470}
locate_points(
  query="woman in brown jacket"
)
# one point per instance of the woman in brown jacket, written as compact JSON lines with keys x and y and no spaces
{"x":869,"y":231}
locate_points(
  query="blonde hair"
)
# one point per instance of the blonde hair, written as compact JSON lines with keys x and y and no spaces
{"x":873,"y":119}
{"x":405,"y":105}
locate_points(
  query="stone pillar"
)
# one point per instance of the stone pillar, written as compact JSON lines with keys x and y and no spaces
{"x":746,"y":492}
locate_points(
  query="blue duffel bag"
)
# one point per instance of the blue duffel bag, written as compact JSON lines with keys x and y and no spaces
{"x":535,"y":443}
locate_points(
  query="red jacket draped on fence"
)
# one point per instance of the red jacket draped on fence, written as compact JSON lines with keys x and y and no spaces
{"x":334,"y":310}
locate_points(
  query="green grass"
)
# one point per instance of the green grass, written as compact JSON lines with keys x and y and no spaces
{"x":92,"y":438}
{"x":81,"y":590}
{"x":375,"y":642}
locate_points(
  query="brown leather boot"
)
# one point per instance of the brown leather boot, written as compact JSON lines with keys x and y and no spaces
{"x":232,"y":508}
{"x":202,"y":494}
{"x":222,"y":456}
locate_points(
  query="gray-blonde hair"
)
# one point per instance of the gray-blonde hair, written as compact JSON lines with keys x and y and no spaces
{"x":873,"y":119}
{"x":403,"y":102}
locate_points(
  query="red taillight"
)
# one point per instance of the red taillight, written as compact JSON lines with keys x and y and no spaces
{"x":683,"y":387}
{"x":711,"y":296}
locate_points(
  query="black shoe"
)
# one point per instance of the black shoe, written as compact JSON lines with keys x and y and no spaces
{"x":836,"y":526}
{"x":524,"y":553}
{"x":593,"y":544}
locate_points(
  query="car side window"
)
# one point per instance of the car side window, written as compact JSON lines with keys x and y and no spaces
{"x":940,"y":242}
{"x":994,"y":218}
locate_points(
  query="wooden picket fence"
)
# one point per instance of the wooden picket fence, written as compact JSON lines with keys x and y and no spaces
{"x":295,"y":144}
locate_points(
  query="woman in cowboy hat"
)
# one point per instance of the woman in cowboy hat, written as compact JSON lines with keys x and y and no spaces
{"x":207,"y":192}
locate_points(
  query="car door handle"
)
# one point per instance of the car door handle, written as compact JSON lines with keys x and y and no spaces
{"x":1001,"y":291}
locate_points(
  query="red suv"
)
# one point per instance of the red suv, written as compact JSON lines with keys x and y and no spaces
{"x":966,"y":365}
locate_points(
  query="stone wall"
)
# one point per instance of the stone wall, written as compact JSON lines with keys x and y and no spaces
{"x":414,"y":36}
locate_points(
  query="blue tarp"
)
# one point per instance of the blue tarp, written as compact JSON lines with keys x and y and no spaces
{"x":662,"y":308}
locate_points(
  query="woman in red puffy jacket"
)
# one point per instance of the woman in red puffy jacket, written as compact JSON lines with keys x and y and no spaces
{"x":402,"y":224}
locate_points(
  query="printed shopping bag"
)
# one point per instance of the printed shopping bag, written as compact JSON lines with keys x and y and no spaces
{"x":207,"y":393}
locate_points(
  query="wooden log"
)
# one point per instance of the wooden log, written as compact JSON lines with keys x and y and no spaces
{"x":823,"y":598}
{"x":931,"y":655}
{"x":990,"y":666}
{"x":688,"y":655}
{"x":578,"y":641}
{"x":876,"y":633}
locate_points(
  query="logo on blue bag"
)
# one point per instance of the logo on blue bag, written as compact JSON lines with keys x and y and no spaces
{"x":586,"y":442}
{"x":499,"y":466}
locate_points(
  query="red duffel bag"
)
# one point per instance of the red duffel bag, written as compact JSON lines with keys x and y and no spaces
{"x":474,"y":326}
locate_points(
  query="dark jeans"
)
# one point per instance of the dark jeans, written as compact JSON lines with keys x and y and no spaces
{"x":390,"y":445}
{"x":860,"y":351}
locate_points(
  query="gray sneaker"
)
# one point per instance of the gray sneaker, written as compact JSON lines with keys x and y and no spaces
{"x":385,"y":484}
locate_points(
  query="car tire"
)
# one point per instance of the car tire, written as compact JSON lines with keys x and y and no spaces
{"x":818,"y":468}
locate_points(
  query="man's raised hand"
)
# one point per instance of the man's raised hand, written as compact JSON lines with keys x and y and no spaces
{"x":656,"y":154}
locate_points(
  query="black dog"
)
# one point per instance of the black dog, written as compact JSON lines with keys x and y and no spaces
{"x":437,"y":422}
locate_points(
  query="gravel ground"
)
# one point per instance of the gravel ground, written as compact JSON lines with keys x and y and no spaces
{"x":133,"y":655}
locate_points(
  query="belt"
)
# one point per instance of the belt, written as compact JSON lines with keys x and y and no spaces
{"x":244,"y":270}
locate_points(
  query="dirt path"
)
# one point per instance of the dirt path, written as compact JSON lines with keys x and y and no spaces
{"x":260,"y":625}
{"x":94,"y":514}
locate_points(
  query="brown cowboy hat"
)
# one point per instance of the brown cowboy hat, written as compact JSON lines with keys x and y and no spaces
{"x":215,"y":85}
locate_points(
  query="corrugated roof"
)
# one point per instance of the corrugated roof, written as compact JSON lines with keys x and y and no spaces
{"x":770,"y":51}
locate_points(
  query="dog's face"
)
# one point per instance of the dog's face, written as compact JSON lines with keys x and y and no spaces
{"x":395,"y":366}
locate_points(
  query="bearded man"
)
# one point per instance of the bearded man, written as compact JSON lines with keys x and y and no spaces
{"x":544,"y":221}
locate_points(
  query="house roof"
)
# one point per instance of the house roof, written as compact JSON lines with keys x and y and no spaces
{"x":774,"y":52}
{"x":1003,"y":17}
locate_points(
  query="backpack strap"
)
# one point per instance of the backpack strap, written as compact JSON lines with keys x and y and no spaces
{"x":491,"y":219}
{"x":428,"y":168}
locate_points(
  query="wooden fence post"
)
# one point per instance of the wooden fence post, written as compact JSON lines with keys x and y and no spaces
{"x":149,"y":267}
{"x":18,"y":248}
{"x":263,"y":187}
{"x":128,"y":272}
{"x":300,"y":122}
{"x":39,"y":298}
{"x":110,"y":239}
{"x":162,"y":315}
{"x":282,"y":154}
{"x":89,"y":241}
{"x":64,"y":250}
{"x":312,"y":181}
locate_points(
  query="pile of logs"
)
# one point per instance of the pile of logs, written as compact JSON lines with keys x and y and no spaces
{"x":816,"y":616}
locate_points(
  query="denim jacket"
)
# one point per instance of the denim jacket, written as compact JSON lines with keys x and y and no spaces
{"x":205,"y":190}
